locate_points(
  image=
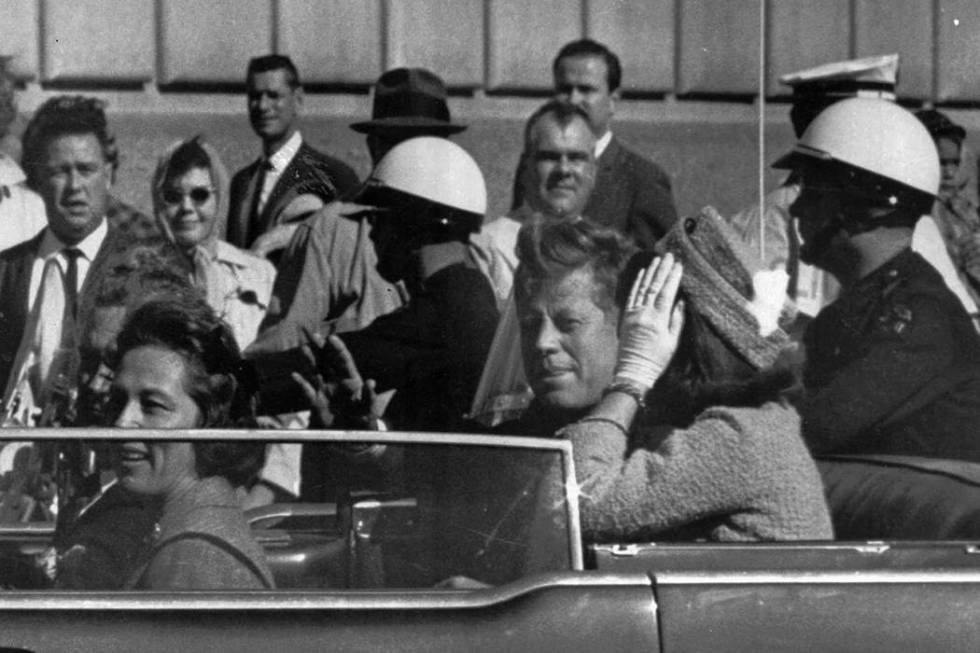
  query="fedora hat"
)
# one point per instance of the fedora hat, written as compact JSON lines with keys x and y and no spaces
{"x":409,"y":99}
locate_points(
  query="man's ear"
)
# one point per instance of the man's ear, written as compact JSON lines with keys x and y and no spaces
{"x":298,"y":94}
{"x":614,"y":97}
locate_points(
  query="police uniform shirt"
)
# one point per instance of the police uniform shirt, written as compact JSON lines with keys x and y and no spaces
{"x":893,"y":367}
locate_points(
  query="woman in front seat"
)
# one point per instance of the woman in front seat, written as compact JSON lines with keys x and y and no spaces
{"x":176,"y":369}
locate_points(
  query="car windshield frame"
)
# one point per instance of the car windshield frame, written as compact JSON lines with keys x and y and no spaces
{"x":43,"y":531}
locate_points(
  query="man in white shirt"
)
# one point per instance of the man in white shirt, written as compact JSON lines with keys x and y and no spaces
{"x":45,"y":281}
{"x":632,"y":193}
{"x":289,"y":170}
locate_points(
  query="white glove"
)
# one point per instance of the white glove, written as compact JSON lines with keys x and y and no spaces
{"x":651,"y":325}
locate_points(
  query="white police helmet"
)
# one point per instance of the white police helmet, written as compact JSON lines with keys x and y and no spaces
{"x":872,"y":136}
{"x":436,"y":170}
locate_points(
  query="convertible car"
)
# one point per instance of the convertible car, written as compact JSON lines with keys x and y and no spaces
{"x":471,"y":542}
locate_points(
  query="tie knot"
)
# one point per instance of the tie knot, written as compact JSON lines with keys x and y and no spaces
{"x":71,"y":253}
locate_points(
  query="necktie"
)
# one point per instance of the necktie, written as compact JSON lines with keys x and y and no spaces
{"x":71,"y":254}
{"x":265,"y":166}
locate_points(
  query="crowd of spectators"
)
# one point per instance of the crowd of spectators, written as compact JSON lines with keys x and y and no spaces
{"x":696,"y":364}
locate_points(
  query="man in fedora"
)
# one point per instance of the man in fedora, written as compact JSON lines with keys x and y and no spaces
{"x":288,"y":170}
{"x":408,"y":102}
{"x":328,"y":272}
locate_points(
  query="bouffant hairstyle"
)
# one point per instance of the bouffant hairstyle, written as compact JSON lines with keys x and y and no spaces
{"x":549,"y":249}
{"x":61,"y":115}
{"x":213,"y":363}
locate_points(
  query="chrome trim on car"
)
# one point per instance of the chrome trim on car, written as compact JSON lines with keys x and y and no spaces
{"x":286,"y":435}
{"x":793,"y":577}
{"x":320,"y":600}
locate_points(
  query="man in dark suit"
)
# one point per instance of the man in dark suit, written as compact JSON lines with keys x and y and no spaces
{"x":291,"y":179}
{"x":632,"y":194}
{"x":68,"y":152}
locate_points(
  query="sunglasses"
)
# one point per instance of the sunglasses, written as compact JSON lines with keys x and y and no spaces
{"x":198,"y":195}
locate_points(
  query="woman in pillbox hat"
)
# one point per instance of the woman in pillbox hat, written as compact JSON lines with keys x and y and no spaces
{"x":716,"y":452}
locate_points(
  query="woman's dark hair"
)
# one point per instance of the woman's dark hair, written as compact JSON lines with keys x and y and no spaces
{"x":188,"y":326}
{"x":188,"y":156}
{"x":705,"y":371}
{"x":239,"y":461}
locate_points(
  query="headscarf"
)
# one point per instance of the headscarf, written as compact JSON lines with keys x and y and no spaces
{"x":205,"y":252}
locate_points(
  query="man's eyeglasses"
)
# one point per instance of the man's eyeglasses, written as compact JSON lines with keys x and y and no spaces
{"x":199,"y":195}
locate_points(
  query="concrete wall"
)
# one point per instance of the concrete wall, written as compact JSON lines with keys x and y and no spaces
{"x":171,"y":68}
{"x":673,"y":47}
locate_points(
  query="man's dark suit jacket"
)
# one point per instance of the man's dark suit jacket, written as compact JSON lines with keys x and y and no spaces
{"x":632,"y":194}
{"x":15,"y":280}
{"x":310,"y":171}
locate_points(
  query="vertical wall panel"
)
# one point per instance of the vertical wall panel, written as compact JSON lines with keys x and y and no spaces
{"x":648,"y":62}
{"x":803,"y":34}
{"x":99,"y":40}
{"x":719,"y":50}
{"x":20,"y":36}
{"x":524,"y":38}
{"x":212,"y":42}
{"x":445,"y":36}
{"x":958,"y":50}
{"x":332,"y":41}
{"x":902,"y":26}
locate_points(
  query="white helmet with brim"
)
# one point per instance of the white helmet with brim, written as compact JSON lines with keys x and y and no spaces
{"x":871,"y":136}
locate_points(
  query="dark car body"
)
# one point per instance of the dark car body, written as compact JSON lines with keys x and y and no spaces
{"x":347,"y":583}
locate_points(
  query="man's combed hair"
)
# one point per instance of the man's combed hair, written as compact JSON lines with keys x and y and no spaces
{"x":270,"y":62}
{"x":590,"y":48}
{"x":561,"y":112}
{"x":551,"y":249}
{"x":65,"y":115}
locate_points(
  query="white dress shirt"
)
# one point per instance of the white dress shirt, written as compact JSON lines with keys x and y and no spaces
{"x":279,"y":160}
{"x":602,"y":143}
{"x":51,"y":246}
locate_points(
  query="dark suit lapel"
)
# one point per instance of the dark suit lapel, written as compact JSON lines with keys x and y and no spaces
{"x":250,"y":199}
{"x":15,"y":281}
{"x":606,"y":176}
{"x":610,"y":156}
